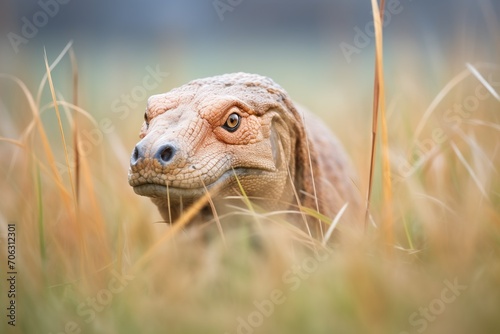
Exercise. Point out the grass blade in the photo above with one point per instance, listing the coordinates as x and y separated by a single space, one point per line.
52 66
76 139
334 223
214 212
41 228
43 136
56 107
437 100
469 170
183 220
379 105
483 81
311 170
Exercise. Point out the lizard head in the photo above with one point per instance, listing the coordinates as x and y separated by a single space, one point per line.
214 132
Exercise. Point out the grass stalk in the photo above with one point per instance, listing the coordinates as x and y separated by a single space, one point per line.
76 139
41 227
379 106
61 130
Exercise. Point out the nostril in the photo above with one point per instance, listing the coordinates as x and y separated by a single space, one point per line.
135 155
166 153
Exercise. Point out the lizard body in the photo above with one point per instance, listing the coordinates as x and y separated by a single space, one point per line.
213 132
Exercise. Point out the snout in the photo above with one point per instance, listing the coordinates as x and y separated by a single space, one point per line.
153 166
165 155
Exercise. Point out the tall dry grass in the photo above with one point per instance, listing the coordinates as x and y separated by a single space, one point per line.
92 257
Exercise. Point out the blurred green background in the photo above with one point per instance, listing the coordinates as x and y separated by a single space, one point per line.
320 51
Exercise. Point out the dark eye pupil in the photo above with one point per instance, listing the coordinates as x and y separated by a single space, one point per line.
232 123
233 120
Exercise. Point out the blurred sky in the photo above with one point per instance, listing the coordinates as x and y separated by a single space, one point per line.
296 42
194 24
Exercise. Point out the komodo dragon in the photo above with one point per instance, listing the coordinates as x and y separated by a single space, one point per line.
212 132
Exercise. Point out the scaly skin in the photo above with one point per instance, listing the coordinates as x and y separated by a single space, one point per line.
187 147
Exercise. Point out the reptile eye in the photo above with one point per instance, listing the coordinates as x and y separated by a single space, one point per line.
232 122
146 120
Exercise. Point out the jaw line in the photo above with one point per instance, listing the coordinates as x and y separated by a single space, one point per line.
156 190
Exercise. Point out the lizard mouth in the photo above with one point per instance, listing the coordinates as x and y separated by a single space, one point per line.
161 190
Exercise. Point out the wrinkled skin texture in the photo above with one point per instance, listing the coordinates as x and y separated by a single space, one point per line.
277 151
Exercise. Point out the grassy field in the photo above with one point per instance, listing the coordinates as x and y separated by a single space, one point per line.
92 257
